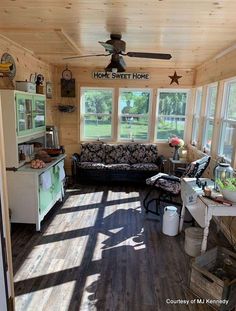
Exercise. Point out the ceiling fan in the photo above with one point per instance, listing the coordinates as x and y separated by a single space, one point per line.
116 48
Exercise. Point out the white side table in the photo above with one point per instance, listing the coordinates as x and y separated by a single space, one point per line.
202 209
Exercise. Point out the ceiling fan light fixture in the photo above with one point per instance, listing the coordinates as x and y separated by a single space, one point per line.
115 66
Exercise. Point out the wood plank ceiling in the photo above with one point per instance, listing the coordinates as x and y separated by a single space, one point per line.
192 31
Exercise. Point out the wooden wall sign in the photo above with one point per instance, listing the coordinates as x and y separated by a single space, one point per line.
68 88
102 75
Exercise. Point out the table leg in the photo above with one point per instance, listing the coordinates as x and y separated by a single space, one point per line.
205 236
181 222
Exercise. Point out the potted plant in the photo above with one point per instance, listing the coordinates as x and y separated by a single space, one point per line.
228 188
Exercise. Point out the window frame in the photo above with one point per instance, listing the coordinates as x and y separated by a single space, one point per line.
82 113
170 90
196 116
207 117
224 121
119 138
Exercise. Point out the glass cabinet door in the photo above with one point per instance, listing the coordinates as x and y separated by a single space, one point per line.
24 114
39 112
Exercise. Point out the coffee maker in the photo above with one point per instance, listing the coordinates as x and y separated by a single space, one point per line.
52 140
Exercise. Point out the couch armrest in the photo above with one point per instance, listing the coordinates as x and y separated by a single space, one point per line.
76 157
74 160
160 162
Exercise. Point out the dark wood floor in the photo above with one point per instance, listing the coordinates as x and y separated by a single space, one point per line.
100 251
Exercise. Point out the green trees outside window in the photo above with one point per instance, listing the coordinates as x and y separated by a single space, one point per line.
132 119
97 106
171 114
134 108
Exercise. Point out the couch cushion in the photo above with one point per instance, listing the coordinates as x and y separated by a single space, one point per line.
92 152
115 154
119 166
144 167
91 165
142 153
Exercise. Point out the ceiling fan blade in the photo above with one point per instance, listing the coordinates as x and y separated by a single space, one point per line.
108 47
149 55
89 55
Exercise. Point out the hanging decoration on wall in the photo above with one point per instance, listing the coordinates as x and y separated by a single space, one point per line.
67 84
7 66
39 83
49 90
175 78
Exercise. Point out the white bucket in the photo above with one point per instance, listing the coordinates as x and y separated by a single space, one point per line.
193 241
170 224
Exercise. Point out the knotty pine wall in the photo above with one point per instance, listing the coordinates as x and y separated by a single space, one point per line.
217 69
26 64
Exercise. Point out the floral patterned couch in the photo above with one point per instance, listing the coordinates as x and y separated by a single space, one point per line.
116 162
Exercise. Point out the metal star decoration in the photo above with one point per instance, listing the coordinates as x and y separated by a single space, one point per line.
175 78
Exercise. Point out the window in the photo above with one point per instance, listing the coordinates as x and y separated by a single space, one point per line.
134 114
96 113
171 113
196 116
228 123
209 116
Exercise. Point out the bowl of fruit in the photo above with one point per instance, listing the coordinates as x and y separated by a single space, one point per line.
228 188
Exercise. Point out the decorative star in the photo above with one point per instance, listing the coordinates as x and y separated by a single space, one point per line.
175 78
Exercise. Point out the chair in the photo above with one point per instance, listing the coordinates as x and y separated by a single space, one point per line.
169 186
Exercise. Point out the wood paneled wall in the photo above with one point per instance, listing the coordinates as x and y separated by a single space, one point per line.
217 69
27 64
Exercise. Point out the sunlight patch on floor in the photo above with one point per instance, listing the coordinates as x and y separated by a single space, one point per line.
53 297
63 223
116 230
79 199
113 195
52 258
127 242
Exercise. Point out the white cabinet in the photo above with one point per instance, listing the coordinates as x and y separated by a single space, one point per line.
29 199
23 121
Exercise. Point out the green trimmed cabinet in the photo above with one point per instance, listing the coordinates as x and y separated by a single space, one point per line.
23 121
29 200
30 113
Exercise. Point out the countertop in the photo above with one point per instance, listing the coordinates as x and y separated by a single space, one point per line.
27 169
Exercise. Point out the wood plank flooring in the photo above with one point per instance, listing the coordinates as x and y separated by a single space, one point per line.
100 251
